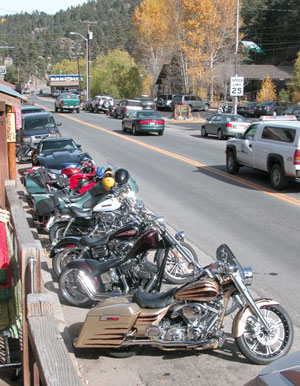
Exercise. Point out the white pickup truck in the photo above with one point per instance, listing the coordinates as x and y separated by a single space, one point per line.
272 146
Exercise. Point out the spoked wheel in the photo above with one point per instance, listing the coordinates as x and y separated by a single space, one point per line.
71 289
178 270
263 347
57 231
24 155
61 259
123 352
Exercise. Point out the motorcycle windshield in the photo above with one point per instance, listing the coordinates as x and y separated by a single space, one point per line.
133 185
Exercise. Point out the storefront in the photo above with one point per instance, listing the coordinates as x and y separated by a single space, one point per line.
10 121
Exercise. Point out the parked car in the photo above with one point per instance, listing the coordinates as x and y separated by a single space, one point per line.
271 145
36 126
224 125
55 93
247 108
147 103
67 101
26 90
86 104
195 102
164 101
269 108
127 106
293 110
29 109
144 121
101 103
53 152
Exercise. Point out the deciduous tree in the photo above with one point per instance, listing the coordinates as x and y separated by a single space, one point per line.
267 91
294 88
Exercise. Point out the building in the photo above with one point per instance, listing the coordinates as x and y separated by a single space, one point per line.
63 82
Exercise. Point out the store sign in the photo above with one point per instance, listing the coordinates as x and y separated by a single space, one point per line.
10 127
236 86
18 112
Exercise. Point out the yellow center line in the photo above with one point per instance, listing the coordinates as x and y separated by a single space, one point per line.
198 164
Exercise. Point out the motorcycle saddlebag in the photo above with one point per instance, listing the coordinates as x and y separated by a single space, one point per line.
46 207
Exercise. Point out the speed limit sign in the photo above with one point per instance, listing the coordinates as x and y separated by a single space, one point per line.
236 86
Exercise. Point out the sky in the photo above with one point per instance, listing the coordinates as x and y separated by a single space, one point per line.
49 6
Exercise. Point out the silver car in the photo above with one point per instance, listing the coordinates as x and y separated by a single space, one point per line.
224 125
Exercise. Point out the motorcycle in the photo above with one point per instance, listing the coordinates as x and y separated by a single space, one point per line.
24 152
225 108
191 317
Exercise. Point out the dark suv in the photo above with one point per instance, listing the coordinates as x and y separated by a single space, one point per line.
36 126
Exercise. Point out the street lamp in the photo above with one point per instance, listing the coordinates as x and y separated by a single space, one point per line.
87 61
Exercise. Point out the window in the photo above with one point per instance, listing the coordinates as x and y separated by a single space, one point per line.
187 98
193 98
279 134
250 132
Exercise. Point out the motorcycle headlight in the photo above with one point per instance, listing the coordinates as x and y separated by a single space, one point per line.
247 275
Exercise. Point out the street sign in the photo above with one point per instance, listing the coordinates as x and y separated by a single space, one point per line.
2 70
236 86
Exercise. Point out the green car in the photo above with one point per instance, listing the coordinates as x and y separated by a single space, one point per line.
67 102
144 121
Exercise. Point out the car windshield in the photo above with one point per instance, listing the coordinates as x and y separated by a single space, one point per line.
50 146
37 123
234 118
69 96
147 114
134 103
267 103
248 104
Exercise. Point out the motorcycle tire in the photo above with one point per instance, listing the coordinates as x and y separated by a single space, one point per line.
61 259
254 343
174 271
123 352
24 155
71 290
57 230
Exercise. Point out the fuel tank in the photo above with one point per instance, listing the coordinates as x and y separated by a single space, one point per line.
199 290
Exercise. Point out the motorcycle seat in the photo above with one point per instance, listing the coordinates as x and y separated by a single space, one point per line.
88 241
80 213
160 300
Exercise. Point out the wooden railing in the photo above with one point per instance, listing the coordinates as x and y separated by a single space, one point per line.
45 357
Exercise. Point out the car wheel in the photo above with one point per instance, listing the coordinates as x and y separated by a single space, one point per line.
134 132
123 128
206 107
61 109
220 134
90 110
161 132
203 132
278 180
191 108
55 109
78 111
232 165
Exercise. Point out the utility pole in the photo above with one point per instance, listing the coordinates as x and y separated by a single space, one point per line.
89 37
236 49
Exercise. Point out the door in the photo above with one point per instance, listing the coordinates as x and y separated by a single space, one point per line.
247 146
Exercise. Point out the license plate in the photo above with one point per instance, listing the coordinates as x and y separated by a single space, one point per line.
152 123
71 106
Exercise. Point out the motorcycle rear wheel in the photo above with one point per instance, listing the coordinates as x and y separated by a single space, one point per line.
261 348
178 270
61 259
71 290
57 230
24 155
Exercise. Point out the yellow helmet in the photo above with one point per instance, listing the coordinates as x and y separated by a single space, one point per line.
108 181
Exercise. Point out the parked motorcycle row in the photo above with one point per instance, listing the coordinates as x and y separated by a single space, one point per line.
110 254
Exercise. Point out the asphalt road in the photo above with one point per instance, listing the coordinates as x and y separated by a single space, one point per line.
183 177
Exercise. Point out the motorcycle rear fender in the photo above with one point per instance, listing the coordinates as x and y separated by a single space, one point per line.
239 323
70 241
94 267
108 324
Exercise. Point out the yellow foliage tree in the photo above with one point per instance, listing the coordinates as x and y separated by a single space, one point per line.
267 91
152 22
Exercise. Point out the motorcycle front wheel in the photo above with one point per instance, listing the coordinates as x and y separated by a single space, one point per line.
61 259
71 289
24 155
178 270
262 347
